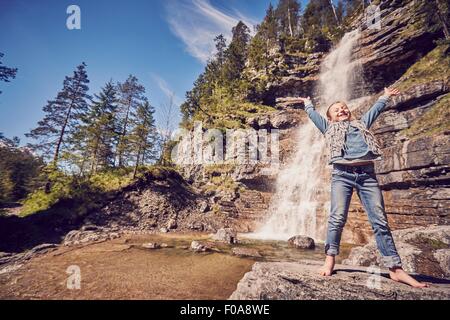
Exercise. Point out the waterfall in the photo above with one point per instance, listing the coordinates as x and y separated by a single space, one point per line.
294 204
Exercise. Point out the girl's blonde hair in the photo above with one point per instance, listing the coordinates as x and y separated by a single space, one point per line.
336 102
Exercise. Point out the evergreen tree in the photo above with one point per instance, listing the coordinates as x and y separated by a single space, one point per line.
438 13
288 15
266 37
193 98
221 45
236 53
319 23
143 137
214 70
18 170
6 73
6 142
99 129
62 116
131 95
340 11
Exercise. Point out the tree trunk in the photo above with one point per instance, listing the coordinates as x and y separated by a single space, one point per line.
94 159
289 21
60 139
124 132
334 11
137 163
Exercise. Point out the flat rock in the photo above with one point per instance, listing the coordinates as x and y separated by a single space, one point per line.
301 281
151 245
246 252
198 246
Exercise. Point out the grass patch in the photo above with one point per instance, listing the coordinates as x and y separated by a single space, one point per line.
429 243
222 182
433 66
219 168
224 112
83 194
434 121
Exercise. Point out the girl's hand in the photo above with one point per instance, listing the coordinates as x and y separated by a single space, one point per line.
301 99
391 92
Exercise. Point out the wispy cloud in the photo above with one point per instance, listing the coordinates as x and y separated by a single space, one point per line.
165 88
198 22
167 114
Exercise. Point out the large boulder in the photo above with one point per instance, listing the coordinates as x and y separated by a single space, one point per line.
226 235
302 242
301 281
424 250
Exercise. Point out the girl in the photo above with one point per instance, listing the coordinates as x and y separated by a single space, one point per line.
353 149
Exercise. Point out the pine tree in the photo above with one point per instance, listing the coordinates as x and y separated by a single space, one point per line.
319 23
62 116
236 53
6 73
265 38
6 142
340 11
214 71
202 89
99 129
438 13
143 137
131 95
18 170
288 15
221 45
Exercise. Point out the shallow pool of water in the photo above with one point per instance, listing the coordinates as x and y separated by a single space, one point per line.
270 250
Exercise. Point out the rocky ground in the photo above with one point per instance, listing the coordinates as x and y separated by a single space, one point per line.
301 281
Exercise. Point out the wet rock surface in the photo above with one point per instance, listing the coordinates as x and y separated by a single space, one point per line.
246 252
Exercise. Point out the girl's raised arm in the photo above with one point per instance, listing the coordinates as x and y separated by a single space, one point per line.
370 116
320 122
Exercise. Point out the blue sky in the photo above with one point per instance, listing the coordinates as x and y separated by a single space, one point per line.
163 42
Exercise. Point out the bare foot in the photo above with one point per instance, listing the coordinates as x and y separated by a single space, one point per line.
399 275
327 268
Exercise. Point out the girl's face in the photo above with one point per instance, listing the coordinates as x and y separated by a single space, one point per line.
339 112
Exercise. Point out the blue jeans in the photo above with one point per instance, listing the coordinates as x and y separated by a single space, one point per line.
361 178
